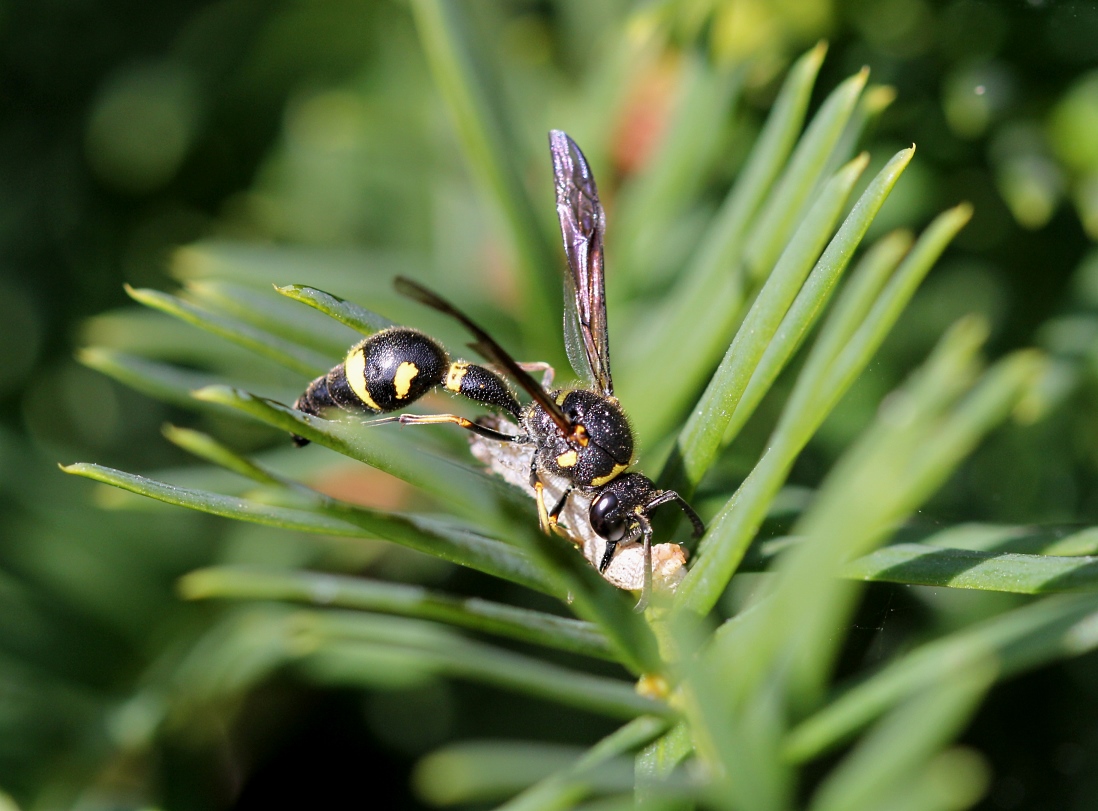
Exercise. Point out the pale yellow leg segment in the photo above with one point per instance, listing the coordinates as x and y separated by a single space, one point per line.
449 419
434 419
559 530
543 512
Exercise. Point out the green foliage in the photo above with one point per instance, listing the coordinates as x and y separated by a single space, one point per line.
737 692
755 276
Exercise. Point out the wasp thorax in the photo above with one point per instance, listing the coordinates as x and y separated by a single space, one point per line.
606 447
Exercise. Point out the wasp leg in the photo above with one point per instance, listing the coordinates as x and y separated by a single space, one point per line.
666 496
451 419
539 496
548 372
646 592
547 519
643 527
543 513
554 514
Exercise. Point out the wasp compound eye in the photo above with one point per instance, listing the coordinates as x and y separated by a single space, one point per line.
604 519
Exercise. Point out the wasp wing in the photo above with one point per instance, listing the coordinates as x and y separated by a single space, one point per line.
582 224
489 349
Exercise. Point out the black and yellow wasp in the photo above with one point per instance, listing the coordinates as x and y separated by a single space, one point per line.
579 436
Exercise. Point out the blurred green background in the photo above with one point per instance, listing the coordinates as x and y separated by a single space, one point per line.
315 128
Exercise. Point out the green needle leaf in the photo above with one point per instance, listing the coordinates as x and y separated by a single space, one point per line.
465 772
476 106
701 438
862 321
876 266
670 180
290 355
339 591
1031 540
920 564
422 534
354 272
160 380
481 772
1004 555
785 206
843 349
706 301
874 101
903 742
1018 640
345 312
271 314
206 447
337 636
916 442
469 492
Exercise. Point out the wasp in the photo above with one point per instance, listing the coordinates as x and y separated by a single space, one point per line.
574 446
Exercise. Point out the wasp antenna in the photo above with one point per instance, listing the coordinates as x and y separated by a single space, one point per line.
665 496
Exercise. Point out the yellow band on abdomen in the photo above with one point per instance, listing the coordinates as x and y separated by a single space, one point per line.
355 369
455 375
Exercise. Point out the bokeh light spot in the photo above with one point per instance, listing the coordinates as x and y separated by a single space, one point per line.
329 121
901 28
1086 203
1073 126
142 126
1030 182
972 97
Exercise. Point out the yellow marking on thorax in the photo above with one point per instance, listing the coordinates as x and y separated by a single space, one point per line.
456 375
601 480
402 380
568 459
355 369
578 432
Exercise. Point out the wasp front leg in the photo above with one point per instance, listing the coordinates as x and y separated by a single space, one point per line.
646 592
547 518
554 514
539 495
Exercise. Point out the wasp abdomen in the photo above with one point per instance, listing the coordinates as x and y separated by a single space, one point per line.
481 386
392 369
389 370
